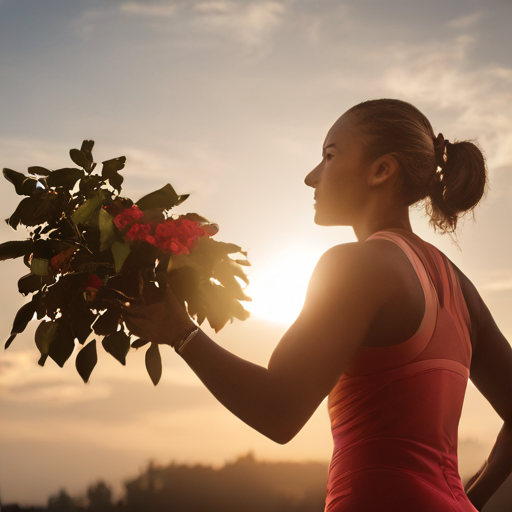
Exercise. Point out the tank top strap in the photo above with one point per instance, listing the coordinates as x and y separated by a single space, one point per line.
368 360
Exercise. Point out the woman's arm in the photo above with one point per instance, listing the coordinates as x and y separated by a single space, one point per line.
491 372
345 293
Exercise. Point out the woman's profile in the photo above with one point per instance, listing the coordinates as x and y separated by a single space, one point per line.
390 329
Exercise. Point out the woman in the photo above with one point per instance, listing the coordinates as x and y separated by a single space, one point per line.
390 329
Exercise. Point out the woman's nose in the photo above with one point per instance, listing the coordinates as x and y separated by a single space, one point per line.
311 179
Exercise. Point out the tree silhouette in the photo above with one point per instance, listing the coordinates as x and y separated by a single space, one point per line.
99 496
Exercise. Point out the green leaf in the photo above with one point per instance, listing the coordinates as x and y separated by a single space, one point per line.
83 213
107 322
139 343
154 363
39 266
117 345
16 178
65 178
39 171
79 158
120 251
107 229
165 198
9 341
15 249
45 335
25 315
86 360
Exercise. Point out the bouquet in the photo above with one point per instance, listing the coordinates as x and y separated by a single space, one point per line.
89 248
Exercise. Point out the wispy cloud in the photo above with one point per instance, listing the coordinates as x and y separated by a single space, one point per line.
465 21
440 75
246 23
149 10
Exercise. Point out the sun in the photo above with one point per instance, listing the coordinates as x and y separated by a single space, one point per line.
278 288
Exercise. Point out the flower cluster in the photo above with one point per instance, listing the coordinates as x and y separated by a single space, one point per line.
175 236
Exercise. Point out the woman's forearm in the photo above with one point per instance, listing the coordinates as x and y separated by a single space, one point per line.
248 390
496 469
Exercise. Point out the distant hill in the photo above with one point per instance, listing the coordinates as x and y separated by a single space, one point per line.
246 484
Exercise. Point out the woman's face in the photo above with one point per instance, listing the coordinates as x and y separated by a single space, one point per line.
340 179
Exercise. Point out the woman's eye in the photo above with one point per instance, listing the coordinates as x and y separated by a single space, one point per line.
329 156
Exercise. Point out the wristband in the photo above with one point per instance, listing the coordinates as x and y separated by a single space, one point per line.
182 343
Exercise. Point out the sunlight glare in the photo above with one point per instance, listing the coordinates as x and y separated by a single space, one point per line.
278 289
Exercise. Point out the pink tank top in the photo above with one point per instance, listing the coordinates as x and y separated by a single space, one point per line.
395 410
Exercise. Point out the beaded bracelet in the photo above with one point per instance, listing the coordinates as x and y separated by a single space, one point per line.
182 343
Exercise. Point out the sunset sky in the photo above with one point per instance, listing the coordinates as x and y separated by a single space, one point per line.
229 101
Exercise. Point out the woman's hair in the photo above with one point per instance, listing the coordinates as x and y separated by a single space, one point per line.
450 177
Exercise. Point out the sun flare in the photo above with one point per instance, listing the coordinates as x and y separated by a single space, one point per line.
279 287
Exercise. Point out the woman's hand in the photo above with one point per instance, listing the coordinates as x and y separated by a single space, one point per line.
159 318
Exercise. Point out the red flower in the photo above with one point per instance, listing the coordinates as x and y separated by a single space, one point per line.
139 232
178 236
128 217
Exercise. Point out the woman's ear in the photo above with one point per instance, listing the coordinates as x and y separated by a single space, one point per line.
384 169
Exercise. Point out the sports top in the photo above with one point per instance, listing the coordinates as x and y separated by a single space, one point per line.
395 410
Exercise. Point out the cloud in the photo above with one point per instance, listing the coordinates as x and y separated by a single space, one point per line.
442 76
247 23
149 10
465 21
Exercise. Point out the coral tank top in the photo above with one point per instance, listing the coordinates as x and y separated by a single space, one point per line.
395 410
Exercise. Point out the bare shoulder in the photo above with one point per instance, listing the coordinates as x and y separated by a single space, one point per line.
365 268
473 301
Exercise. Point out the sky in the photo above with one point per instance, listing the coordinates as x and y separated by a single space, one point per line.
230 101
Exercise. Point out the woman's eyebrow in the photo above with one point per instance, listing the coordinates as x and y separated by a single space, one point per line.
327 147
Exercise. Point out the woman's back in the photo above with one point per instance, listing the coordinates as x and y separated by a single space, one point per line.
396 409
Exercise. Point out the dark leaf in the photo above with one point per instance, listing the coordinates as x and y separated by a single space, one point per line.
34 210
29 283
63 342
116 181
79 158
65 178
63 293
39 171
154 363
117 345
86 149
139 343
42 360
9 341
226 272
165 198
25 314
15 249
90 183
81 319
86 360
16 178
112 166
31 186
107 322
228 303
45 335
